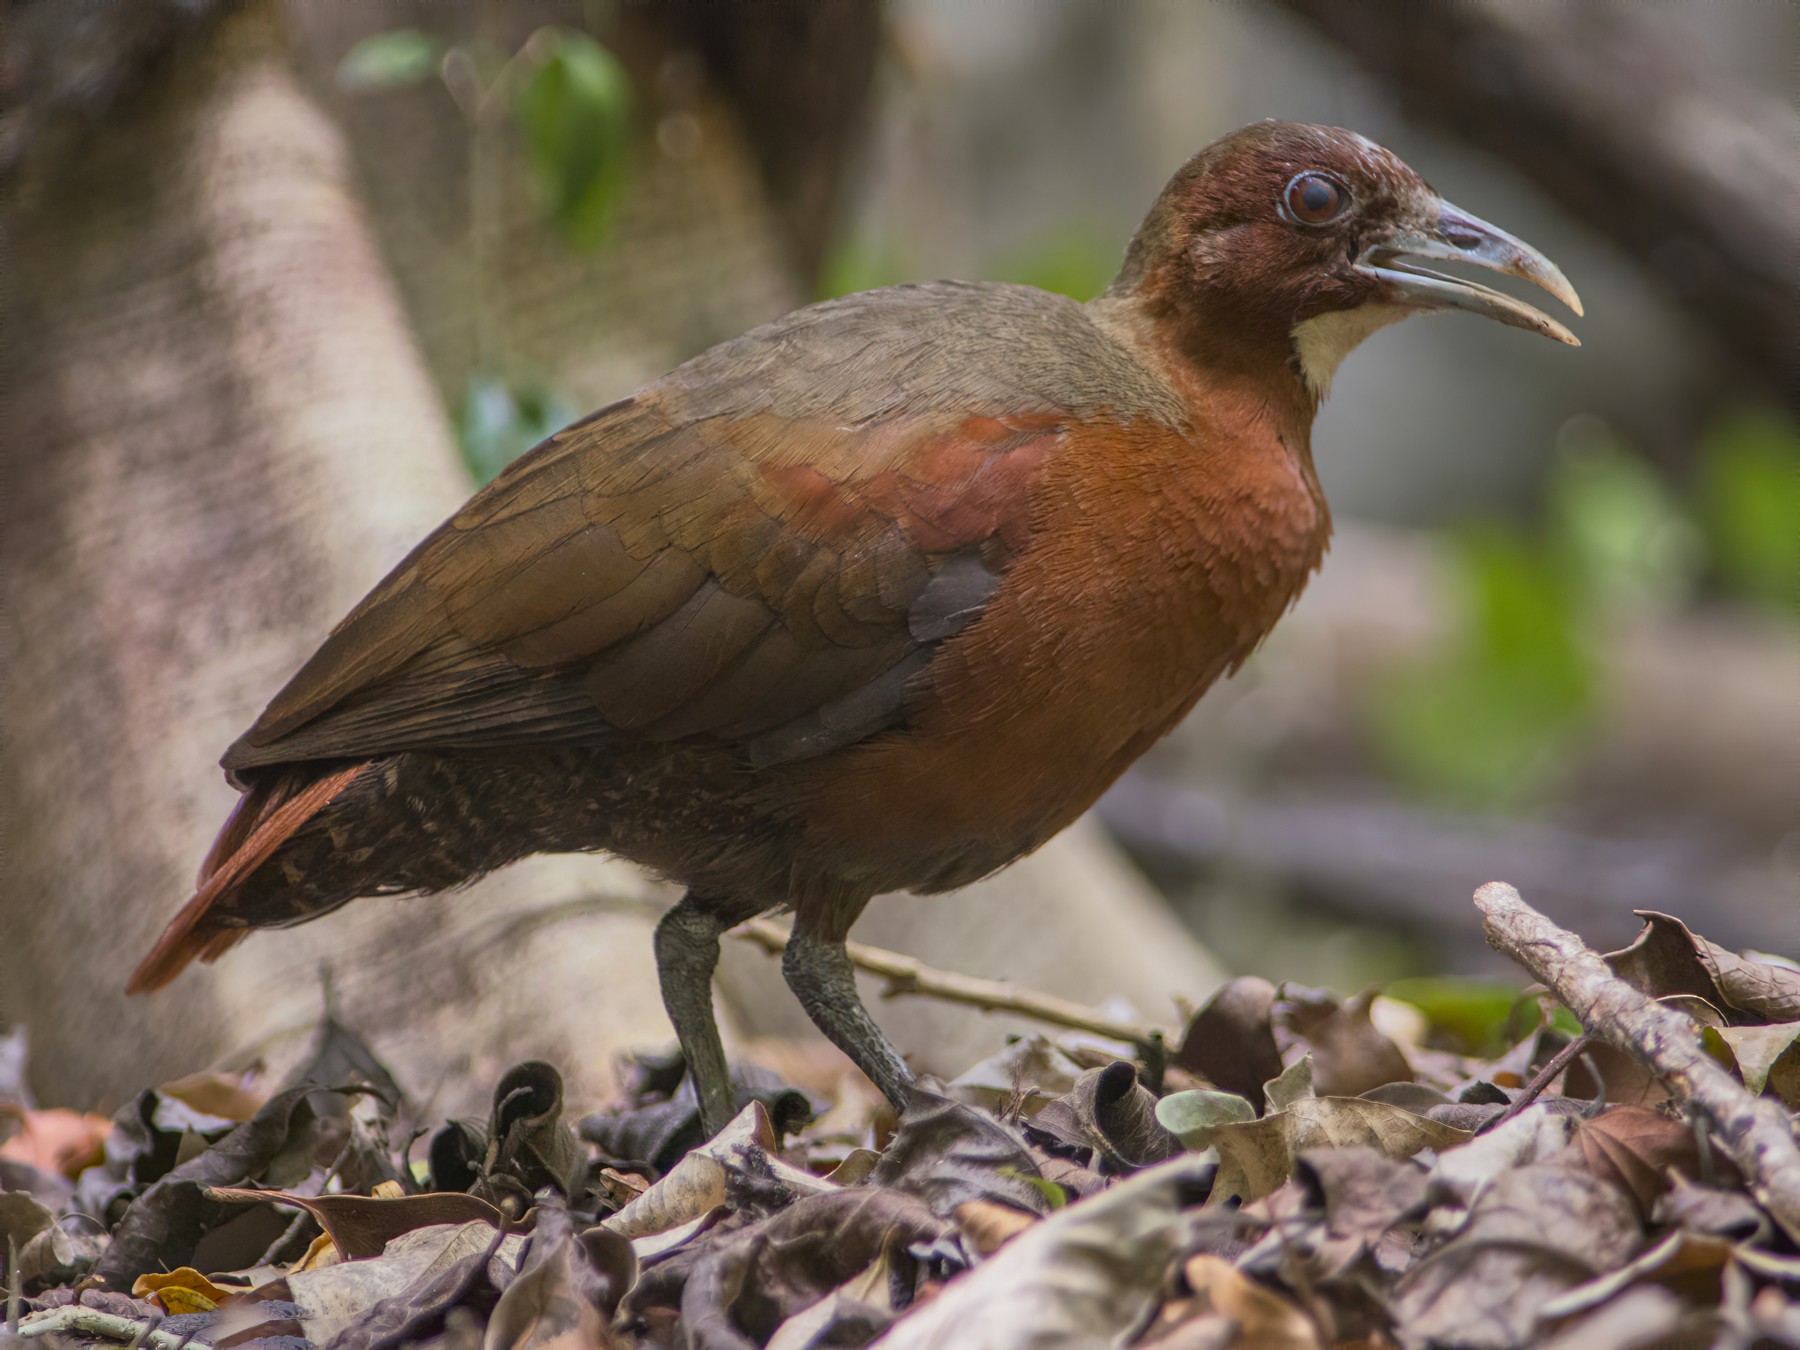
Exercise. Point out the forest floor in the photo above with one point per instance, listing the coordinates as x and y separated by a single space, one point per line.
1603 1159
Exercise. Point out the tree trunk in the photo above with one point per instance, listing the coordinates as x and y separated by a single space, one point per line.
219 436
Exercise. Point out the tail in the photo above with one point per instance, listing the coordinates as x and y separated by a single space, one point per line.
265 817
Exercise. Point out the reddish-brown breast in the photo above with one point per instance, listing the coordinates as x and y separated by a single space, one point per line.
1158 557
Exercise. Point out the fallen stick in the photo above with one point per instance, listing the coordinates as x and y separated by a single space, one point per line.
1755 1131
907 975
93 1322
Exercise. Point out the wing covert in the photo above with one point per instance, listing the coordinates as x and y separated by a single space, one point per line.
772 582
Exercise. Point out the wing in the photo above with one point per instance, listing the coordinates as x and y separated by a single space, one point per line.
708 558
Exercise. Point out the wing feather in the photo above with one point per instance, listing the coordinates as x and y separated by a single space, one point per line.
752 566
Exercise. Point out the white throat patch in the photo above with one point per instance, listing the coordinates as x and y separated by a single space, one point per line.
1324 341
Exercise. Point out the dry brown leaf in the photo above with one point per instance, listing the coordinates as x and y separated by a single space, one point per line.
1533 1233
1231 1041
22 1217
1257 1157
1768 1059
621 1188
988 1225
1760 987
225 1095
1668 957
320 1252
361 1225
1664 959
1088 1275
559 1301
1264 1318
1686 1263
1635 1147
696 1184
180 1291
1350 1056
416 1271
855 1167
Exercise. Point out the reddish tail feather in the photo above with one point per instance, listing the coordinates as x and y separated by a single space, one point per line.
264 818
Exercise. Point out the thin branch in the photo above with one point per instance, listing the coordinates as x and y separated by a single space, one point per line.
907 975
1558 1065
1755 1131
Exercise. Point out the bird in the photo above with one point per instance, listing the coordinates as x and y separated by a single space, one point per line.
877 597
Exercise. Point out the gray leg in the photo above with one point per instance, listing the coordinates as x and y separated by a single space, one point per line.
819 972
687 950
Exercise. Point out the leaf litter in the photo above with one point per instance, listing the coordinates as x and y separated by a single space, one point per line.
1304 1171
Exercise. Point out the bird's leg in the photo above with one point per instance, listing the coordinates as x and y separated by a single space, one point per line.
818 970
687 951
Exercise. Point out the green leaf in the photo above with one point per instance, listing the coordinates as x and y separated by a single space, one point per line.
575 112
1191 1116
498 423
1750 502
390 60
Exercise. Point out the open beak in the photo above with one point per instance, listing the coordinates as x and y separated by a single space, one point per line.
1460 237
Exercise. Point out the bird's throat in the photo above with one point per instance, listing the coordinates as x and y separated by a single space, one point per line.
1322 342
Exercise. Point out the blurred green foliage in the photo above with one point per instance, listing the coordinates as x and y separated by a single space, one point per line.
1072 259
569 97
1480 724
499 422
860 262
1622 539
1749 493
390 61
1486 721
1471 1016
575 113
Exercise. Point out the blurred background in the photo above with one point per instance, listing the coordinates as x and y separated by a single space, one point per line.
1555 641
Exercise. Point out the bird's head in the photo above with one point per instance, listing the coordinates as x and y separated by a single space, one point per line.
1298 239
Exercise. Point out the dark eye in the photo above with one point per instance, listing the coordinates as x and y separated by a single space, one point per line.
1313 199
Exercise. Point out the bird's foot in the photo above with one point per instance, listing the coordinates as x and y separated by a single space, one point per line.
818 970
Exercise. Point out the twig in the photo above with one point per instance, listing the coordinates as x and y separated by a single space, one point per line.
1545 1076
93 1322
907 975
1755 1131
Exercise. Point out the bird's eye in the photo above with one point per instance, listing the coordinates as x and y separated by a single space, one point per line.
1314 199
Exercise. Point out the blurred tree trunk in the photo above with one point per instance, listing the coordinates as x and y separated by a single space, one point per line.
221 433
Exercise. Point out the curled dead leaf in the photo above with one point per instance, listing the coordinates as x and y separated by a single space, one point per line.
180 1291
